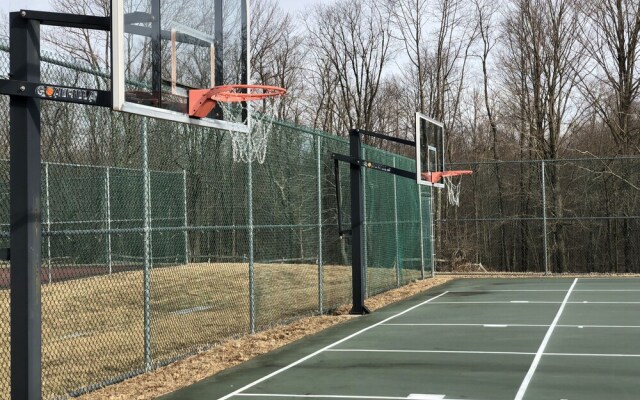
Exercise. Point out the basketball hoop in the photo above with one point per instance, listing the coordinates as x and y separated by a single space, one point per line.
233 100
452 182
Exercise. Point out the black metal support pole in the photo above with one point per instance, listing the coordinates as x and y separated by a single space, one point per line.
156 52
218 21
25 213
357 226
244 63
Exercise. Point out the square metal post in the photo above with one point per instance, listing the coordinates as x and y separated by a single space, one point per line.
357 225
218 79
156 52
25 213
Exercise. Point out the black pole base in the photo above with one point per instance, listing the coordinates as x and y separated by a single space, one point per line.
363 310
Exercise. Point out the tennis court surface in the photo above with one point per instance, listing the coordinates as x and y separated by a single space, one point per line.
558 338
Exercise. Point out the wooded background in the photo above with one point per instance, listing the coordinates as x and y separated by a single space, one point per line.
516 80
523 87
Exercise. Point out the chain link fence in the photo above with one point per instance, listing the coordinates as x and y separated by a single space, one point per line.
556 216
156 245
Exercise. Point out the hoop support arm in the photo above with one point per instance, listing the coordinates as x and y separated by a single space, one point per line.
200 102
43 91
385 137
376 166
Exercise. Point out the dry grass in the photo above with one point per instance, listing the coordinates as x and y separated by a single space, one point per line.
93 328
232 352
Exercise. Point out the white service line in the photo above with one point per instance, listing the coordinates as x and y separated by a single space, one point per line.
535 302
543 345
604 302
592 355
506 290
542 290
498 353
293 364
508 353
335 396
483 325
498 302
526 325
607 290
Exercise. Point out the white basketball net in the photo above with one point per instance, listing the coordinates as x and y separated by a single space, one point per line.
453 189
251 146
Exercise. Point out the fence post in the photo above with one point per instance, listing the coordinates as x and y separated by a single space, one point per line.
320 261
421 231
544 218
186 221
432 239
395 222
365 237
147 245
252 302
47 206
107 196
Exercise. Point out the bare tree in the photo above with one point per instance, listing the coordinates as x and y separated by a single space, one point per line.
541 58
485 13
277 54
611 39
354 38
410 19
90 46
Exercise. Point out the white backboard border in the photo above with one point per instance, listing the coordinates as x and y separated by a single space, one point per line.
420 116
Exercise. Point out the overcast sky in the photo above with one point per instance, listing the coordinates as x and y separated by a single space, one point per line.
44 4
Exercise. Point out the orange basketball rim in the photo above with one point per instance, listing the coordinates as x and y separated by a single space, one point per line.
203 101
435 177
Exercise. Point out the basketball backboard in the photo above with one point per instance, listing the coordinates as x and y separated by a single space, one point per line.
164 48
429 149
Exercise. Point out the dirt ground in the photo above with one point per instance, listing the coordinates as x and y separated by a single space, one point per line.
230 353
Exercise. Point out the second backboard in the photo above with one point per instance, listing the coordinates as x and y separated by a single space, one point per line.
429 149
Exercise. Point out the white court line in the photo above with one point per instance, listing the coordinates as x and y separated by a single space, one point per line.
334 396
604 302
607 290
508 353
484 325
303 359
543 345
506 290
535 302
497 302
592 355
542 290
524 325
496 353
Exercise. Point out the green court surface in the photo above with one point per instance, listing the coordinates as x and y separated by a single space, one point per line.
489 339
